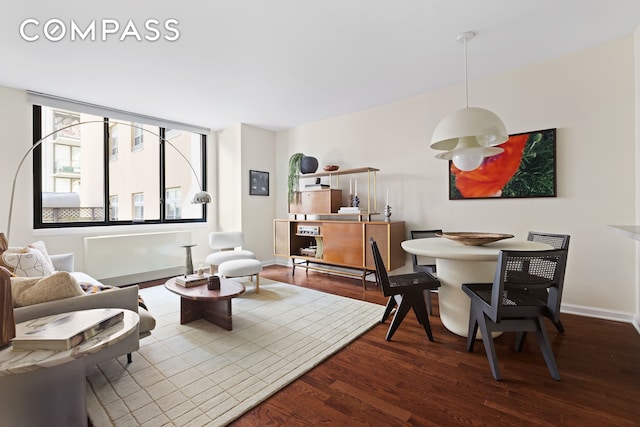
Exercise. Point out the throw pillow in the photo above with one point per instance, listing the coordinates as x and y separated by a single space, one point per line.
36 290
4 248
7 251
39 245
31 263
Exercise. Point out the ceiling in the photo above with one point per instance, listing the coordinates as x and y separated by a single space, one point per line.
281 63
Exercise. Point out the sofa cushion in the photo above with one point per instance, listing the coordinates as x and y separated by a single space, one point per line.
86 281
36 290
63 262
30 263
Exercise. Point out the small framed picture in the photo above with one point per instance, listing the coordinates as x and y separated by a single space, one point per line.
258 183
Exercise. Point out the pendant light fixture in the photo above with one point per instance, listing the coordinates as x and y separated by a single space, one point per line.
470 134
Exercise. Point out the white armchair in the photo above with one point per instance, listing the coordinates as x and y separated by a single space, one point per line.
228 245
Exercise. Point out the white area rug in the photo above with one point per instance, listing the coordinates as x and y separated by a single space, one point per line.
199 374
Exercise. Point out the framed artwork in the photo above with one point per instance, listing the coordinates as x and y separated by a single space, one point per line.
258 183
526 168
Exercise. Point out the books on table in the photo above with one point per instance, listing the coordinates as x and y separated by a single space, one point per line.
63 331
192 280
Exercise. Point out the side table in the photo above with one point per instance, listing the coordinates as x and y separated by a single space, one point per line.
40 387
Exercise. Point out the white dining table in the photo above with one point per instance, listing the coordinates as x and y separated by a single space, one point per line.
457 264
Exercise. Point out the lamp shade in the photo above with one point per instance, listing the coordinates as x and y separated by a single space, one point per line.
472 122
201 198
468 154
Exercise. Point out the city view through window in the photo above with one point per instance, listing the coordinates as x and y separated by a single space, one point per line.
142 184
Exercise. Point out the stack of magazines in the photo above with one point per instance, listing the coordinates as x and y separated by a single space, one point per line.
190 280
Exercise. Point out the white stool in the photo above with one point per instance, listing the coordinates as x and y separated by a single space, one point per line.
241 268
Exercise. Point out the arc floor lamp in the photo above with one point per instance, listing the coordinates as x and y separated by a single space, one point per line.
201 197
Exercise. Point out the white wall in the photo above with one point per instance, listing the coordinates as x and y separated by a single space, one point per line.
588 96
242 148
230 179
258 212
637 174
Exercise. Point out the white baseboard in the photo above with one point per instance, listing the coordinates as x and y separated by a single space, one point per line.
598 313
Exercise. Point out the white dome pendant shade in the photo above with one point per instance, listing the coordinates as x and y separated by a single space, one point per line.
467 154
471 133
487 128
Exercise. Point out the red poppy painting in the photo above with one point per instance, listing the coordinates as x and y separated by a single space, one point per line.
526 168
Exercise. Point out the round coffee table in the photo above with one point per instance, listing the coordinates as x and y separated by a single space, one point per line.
198 302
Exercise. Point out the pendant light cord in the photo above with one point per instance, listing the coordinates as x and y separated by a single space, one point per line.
464 38
466 77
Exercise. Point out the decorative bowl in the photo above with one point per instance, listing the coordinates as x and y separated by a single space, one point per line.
475 239
330 168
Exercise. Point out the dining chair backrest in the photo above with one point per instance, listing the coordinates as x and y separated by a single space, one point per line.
423 234
558 241
381 270
519 270
554 296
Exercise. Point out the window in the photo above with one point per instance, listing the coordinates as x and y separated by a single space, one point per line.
138 207
113 208
138 137
113 142
173 201
77 186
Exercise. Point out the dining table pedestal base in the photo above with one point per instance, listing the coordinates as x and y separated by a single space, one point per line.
453 303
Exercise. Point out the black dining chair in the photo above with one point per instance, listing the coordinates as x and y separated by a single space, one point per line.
404 290
429 268
553 296
506 305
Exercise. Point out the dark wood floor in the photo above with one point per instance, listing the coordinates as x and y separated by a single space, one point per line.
411 381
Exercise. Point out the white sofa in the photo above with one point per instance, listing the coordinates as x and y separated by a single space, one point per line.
122 297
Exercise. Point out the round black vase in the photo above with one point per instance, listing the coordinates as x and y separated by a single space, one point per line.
308 164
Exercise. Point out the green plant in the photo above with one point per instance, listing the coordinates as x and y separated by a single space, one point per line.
294 175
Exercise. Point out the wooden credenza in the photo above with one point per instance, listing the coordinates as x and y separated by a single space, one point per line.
320 244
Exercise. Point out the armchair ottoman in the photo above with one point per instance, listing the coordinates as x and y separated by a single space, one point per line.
241 268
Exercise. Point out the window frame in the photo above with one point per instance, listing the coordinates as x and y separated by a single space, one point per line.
137 137
137 203
114 143
170 203
38 175
114 206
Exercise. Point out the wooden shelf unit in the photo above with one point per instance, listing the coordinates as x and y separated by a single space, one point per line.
344 244
323 201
